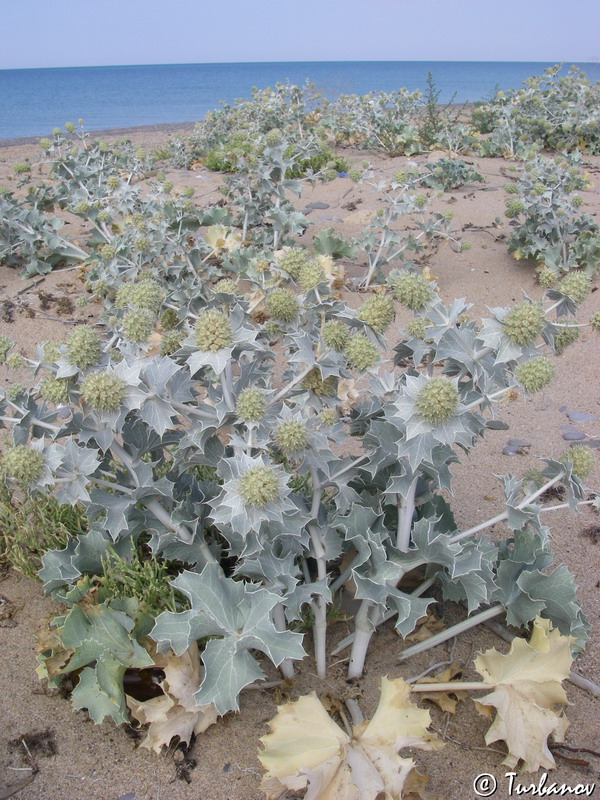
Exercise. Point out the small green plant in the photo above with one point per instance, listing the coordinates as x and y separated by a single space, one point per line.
449 173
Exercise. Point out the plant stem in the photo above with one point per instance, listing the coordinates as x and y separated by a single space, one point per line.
405 517
289 386
452 686
319 605
364 629
286 666
453 631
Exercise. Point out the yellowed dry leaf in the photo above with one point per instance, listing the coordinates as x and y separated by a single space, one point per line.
174 713
347 395
443 699
154 341
527 691
306 749
425 630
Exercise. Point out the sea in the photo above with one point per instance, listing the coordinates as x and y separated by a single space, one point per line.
33 101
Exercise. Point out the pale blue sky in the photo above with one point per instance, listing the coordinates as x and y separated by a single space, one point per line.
43 33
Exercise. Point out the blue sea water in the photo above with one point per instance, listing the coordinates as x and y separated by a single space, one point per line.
33 101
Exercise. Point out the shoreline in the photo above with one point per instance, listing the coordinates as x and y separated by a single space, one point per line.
157 127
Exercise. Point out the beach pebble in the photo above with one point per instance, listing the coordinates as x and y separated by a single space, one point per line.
497 425
318 204
581 416
510 450
562 409
518 443
593 443
573 436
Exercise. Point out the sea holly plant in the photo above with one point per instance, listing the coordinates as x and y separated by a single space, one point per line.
548 226
191 445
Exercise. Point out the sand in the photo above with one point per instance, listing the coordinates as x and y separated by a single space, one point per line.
77 760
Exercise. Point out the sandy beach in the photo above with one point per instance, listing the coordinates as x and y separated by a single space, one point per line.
73 759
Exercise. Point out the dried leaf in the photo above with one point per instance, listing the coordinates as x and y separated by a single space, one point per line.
425 630
527 689
347 395
445 700
175 713
306 749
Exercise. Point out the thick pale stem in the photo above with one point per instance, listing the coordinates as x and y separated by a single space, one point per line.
227 391
364 630
453 631
319 606
452 686
405 518
286 666
292 384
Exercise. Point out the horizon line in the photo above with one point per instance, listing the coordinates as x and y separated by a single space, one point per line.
560 62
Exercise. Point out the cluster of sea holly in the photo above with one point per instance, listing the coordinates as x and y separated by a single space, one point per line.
208 453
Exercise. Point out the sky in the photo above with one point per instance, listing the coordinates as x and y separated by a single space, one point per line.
64 33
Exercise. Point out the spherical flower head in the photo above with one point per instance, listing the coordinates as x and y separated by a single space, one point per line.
273 137
169 319
5 345
15 361
272 328
524 323
416 328
291 435
260 264
259 486
55 390
69 127
547 277
23 464
378 312
437 401
142 244
108 252
582 458
335 334
594 322
138 324
113 182
412 290
361 353
45 144
564 338
171 342
103 391
213 331
293 260
250 405
142 294
282 305
81 208
328 417
84 348
226 286
51 352
533 375
576 285
310 275
314 382
355 175
14 390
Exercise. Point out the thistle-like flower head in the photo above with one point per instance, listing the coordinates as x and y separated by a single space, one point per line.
259 486
547 277
595 321
378 312
291 435
23 464
103 391
145 293
250 405
328 417
226 286
169 319
582 458
437 401
171 341
138 324
361 353
412 290
576 285
417 328
564 337
524 323
293 260
534 374
323 387
15 361
84 348
310 275
54 389
335 334
212 330
282 305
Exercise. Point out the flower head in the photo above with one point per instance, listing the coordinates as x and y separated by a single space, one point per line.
54 389
361 353
534 374
437 401
412 290
84 348
564 337
335 334
212 330
378 312
326 387
103 391
138 324
259 486
576 285
524 323
582 460
282 305
141 294
291 435
23 464
250 405
293 260
310 275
